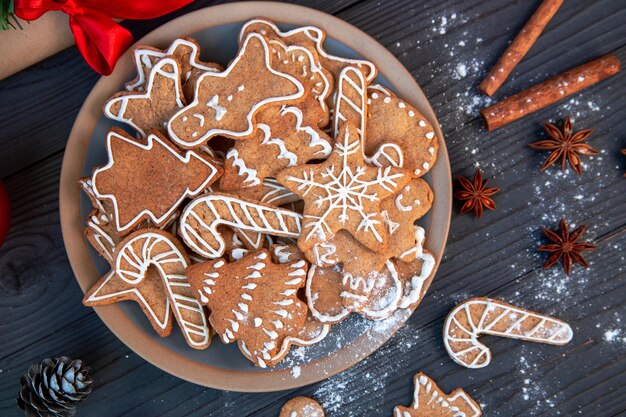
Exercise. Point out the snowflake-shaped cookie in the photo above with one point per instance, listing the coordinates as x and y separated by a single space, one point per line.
344 193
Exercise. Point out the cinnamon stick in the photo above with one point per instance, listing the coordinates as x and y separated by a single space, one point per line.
520 45
550 91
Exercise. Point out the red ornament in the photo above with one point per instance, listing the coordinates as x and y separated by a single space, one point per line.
5 213
98 37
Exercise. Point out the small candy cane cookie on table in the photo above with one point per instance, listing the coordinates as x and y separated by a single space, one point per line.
302 407
253 301
477 316
430 401
138 180
226 103
150 110
150 268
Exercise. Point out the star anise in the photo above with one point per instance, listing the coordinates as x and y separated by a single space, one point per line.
565 245
564 144
475 194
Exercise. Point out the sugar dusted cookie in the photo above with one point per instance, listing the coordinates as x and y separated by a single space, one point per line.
430 401
226 103
410 131
343 193
481 315
151 109
138 180
253 301
302 407
333 294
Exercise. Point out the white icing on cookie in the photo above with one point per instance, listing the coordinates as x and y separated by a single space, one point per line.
123 100
151 140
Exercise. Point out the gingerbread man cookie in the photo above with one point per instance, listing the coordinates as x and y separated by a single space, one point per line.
138 179
343 193
151 109
226 103
430 401
253 301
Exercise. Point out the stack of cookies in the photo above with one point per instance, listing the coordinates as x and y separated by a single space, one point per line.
262 202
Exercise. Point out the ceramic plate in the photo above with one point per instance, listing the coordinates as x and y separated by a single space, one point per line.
223 366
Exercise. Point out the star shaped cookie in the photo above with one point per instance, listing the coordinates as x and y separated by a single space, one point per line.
138 179
344 193
184 50
151 109
226 103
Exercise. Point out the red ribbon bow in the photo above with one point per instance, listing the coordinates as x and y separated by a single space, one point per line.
98 37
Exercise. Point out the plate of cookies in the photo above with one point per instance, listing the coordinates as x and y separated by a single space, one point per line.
255 203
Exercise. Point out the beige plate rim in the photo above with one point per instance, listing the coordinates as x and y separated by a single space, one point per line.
72 224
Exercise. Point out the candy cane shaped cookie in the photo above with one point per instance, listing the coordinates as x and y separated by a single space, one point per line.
477 316
145 249
199 221
351 106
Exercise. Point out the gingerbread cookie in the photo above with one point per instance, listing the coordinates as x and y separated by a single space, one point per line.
398 212
410 133
302 407
183 50
308 36
158 290
280 141
226 103
138 179
430 401
270 192
477 316
343 193
253 301
201 217
333 294
151 109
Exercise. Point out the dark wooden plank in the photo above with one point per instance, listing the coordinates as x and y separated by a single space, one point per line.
495 256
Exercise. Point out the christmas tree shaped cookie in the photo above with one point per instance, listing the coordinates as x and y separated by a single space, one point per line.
138 178
253 301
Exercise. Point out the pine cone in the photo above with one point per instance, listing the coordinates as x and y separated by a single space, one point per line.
54 387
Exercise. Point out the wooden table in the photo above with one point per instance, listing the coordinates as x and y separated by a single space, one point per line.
448 46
